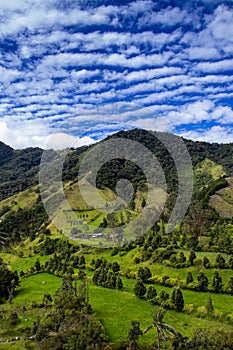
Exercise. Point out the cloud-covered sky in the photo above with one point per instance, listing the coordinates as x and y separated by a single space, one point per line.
88 68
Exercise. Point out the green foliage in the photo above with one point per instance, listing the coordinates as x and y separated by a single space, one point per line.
192 257
177 299
211 340
106 274
18 169
216 282
50 246
189 278
144 274
8 281
220 261
134 333
202 281
209 306
151 293
206 262
24 223
71 322
140 289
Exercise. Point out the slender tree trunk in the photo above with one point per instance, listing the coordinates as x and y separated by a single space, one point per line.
158 336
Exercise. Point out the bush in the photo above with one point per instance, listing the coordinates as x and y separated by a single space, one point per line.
229 318
189 308
218 314
202 311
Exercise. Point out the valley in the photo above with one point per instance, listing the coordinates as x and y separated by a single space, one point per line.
66 278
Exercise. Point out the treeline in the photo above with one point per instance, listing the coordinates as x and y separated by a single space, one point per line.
106 274
24 223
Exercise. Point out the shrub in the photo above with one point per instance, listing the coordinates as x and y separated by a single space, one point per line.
189 308
202 311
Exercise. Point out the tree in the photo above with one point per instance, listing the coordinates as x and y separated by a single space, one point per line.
82 262
156 241
111 279
220 261
192 257
144 274
202 281
163 296
177 299
37 265
8 281
230 285
209 306
216 282
206 262
196 222
189 278
230 262
140 289
115 267
119 283
151 293
141 274
182 257
163 330
134 333
47 298
147 274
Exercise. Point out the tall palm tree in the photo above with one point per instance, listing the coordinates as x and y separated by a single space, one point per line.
163 330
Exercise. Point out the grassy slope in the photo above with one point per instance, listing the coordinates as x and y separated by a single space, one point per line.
117 309
207 166
222 200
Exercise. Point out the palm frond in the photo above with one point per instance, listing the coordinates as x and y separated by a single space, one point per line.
147 329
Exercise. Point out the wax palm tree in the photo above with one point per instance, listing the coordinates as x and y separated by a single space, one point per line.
163 330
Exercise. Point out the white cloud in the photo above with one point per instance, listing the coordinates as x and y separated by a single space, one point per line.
223 114
158 124
203 53
220 66
169 17
33 133
62 141
36 134
148 74
175 63
216 134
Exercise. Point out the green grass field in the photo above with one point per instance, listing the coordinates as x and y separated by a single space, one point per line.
116 309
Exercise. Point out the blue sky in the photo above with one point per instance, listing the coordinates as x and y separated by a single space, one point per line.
89 68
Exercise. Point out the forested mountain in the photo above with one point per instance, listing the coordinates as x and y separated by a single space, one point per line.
19 168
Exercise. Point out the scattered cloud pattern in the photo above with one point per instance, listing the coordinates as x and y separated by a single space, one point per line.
88 68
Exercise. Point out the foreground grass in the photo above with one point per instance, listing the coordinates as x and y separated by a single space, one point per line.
115 309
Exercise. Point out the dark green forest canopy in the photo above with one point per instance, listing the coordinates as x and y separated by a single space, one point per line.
19 168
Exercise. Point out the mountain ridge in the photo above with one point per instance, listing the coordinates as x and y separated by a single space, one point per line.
19 168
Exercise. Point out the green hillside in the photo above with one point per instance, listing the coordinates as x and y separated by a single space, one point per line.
60 288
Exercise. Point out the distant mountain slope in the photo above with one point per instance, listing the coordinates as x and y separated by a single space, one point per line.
19 168
222 200
6 153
